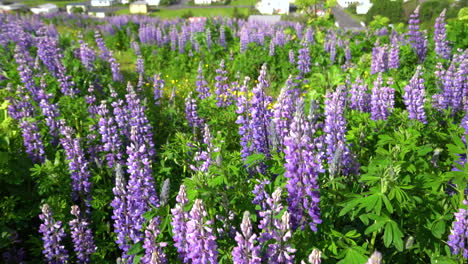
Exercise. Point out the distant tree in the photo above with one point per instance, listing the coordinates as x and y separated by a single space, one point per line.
391 9
308 6
77 10
430 10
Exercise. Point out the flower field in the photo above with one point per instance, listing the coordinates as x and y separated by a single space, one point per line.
138 140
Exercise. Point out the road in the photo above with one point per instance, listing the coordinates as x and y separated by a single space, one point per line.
344 20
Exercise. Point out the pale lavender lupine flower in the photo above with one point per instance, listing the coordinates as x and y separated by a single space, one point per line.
243 118
442 47
223 96
202 247
247 251
191 112
415 96
179 224
375 258
360 99
382 100
154 253
281 252
203 89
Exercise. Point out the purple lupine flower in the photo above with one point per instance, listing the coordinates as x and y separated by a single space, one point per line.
302 168
203 89
65 81
201 240
246 251
451 89
22 107
25 71
32 140
281 251
379 59
415 96
140 65
303 60
120 214
360 99
348 56
104 52
244 39
208 38
48 50
458 238
309 36
269 221
139 123
91 101
204 157
292 57
110 137
332 53
335 131
52 235
260 115
51 113
243 118
141 193
283 111
82 236
153 250
86 54
179 224
394 54
191 112
158 86
442 47
115 68
271 52
77 164
222 36
261 196
223 96
417 38
382 100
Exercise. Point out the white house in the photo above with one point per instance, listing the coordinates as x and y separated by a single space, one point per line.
83 6
362 6
153 2
4 8
99 12
102 2
273 7
45 9
202 2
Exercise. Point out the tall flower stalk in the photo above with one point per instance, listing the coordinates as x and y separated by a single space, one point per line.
82 236
415 97
52 235
302 168
202 247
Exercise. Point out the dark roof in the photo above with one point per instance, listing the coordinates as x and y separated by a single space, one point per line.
100 10
78 4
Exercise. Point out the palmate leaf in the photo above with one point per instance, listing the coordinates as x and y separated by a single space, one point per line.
353 255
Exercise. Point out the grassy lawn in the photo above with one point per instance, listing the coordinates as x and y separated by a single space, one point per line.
243 2
204 12
59 3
